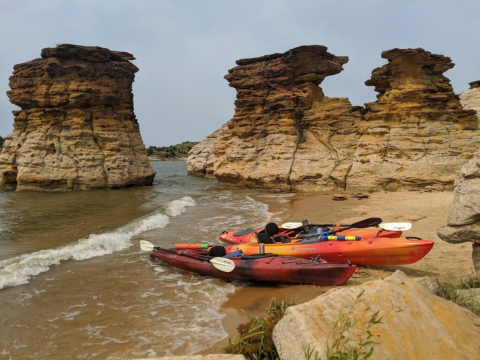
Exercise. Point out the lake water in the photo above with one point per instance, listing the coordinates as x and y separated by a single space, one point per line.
74 283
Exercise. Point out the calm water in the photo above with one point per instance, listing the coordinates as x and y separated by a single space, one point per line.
74 283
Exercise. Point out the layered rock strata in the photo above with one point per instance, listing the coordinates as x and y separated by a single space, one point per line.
416 133
287 135
271 142
76 128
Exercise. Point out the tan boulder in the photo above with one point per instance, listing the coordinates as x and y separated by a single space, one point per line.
77 128
415 323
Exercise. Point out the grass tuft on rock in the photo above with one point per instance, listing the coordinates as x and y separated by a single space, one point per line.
254 338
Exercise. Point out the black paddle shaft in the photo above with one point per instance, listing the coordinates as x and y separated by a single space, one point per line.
361 224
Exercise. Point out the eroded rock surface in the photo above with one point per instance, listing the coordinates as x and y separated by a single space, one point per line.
416 133
463 224
415 323
76 128
470 99
287 135
200 158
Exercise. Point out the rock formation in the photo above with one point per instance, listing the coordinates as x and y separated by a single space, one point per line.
76 128
271 141
200 158
470 99
287 135
416 133
415 323
464 216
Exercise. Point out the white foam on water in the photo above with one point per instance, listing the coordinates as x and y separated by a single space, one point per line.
191 308
18 270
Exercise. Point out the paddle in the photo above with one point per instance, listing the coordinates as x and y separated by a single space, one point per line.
393 226
219 263
399 226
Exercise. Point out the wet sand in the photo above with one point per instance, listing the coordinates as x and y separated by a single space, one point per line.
427 211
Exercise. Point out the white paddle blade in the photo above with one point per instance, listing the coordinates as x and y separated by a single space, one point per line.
291 225
223 264
400 226
146 245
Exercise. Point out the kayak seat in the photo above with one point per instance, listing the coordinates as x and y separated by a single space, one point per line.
234 254
244 232
281 238
271 229
263 238
216 251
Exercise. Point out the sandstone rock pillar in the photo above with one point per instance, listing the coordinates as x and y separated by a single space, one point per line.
416 133
76 128
271 140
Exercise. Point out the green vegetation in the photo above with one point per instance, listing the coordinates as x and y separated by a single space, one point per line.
452 291
347 346
1 142
174 151
254 340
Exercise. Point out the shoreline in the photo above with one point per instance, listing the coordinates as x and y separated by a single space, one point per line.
427 211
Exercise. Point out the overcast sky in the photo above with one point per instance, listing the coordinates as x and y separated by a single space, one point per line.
184 48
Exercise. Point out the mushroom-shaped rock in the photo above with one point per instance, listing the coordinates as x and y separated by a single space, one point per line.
76 128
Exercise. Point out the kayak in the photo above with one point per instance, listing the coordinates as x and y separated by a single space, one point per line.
259 267
378 251
250 235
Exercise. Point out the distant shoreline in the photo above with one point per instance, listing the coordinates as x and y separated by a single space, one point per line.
154 158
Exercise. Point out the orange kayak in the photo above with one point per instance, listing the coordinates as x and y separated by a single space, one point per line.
378 251
250 235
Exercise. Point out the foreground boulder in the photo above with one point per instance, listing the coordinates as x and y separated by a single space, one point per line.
76 128
415 323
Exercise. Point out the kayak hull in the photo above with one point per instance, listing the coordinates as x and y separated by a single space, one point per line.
240 237
364 252
272 269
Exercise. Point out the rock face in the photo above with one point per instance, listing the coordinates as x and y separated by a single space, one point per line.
287 135
464 215
200 158
416 133
76 128
415 323
470 99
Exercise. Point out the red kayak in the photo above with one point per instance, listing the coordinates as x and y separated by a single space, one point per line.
261 267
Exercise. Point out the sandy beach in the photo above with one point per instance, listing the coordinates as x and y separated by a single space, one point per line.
427 211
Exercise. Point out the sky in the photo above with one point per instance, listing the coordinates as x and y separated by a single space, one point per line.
184 48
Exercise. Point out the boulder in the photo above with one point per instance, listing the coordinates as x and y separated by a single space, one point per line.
76 128
415 323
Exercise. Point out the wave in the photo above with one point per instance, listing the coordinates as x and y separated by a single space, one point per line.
19 270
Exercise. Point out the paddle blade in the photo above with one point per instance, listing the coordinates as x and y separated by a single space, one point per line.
291 225
146 245
399 226
223 264
366 223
